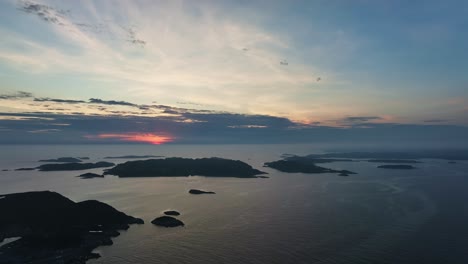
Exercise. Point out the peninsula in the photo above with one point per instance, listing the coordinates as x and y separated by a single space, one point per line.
54 229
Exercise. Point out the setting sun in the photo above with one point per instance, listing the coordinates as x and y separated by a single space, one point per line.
136 137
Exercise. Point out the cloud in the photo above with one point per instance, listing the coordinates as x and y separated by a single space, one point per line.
110 102
215 129
135 137
64 18
193 52
44 131
132 36
17 95
44 12
248 126
46 99
353 119
436 120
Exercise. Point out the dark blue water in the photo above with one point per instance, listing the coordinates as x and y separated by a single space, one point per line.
376 216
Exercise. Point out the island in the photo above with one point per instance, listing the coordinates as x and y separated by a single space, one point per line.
64 159
54 229
90 175
134 157
195 191
184 167
171 213
25 169
393 161
302 166
167 221
313 158
404 155
74 166
397 167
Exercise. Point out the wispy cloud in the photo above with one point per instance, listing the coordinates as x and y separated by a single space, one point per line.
44 131
191 54
45 12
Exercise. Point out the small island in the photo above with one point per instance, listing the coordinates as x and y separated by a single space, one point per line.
401 155
302 166
184 167
397 167
134 157
74 166
195 191
25 169
54 229
167 221
394 161
63 159
174 213
90 175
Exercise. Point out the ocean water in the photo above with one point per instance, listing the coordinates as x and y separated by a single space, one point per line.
376 216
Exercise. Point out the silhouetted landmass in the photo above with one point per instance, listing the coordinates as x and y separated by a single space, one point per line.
134 157
396 167
90 175
428 154
83 158
25 169
195 191
179 167
167 221
318 160
74 166
64 159
171 213
5 170
312 158
394 161
302 165
54 229
263 177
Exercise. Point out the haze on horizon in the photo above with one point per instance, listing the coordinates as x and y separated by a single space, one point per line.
233 71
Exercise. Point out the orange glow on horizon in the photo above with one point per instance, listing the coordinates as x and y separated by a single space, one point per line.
136 137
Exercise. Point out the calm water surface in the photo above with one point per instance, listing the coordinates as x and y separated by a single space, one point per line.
376 216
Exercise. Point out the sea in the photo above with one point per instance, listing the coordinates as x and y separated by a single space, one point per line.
375 216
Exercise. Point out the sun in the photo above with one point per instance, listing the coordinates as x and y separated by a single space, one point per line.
136 137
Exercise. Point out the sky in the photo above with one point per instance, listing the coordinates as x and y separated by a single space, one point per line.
233 71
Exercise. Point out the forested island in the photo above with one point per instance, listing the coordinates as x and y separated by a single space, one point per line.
183 167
